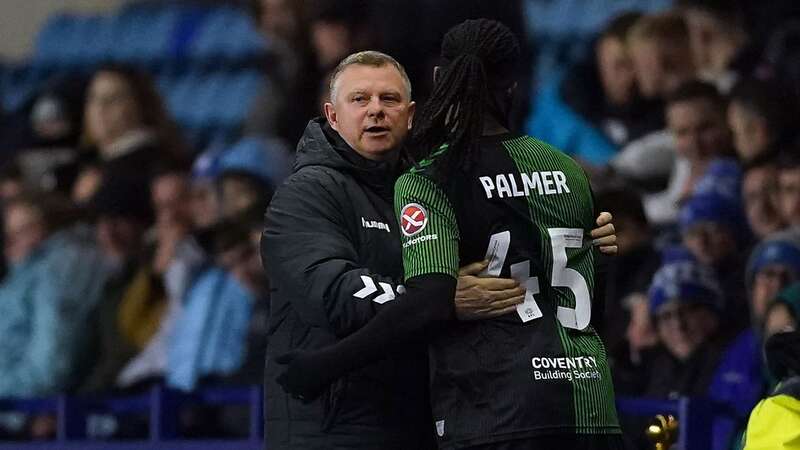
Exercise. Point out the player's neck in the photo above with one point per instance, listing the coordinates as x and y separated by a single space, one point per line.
492 127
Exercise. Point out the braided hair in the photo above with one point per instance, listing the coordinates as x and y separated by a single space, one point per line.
479 58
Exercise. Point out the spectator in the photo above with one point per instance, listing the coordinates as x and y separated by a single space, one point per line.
714 230
133 303
202 345
699 357
127 125
697 135
760 197
175 262
55 279
773 265
775 421
718 38
595 108
662 62
696 118
661 53
236 250
760 114
789 187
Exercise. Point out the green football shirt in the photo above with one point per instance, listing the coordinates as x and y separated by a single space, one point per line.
528 209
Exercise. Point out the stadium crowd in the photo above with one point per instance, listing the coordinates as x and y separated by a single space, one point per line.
132 258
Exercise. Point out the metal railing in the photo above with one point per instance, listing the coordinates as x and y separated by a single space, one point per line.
162 406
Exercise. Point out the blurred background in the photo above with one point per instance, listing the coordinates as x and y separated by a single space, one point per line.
141 141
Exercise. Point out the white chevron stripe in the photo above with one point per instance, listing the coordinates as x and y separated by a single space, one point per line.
388 294
368 289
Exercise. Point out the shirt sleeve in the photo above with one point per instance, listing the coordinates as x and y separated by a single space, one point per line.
428 226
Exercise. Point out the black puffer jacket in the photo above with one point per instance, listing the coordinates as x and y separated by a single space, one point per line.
331 249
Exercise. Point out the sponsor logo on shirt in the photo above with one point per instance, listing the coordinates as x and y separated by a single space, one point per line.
413 219
375 224
427 237
566 368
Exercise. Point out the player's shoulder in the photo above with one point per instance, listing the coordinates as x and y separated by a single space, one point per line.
545 150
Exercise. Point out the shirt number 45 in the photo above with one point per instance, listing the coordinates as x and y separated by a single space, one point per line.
560 239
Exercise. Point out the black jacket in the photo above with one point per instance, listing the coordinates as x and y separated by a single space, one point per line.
331 249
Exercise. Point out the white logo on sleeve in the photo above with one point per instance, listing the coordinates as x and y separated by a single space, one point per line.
413 219
371 288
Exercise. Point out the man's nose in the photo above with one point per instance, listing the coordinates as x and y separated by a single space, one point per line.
375 107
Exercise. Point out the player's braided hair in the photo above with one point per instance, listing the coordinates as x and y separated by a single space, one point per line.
479 57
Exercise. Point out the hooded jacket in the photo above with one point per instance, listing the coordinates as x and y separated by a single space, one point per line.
331 249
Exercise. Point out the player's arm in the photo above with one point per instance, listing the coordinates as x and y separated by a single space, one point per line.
307 247
430 254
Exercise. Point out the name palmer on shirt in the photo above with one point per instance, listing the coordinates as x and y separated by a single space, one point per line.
524 184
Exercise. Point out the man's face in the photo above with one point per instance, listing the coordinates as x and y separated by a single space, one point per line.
699 128
767 283
711 243
789 195
682 328
750 133
170 197
660 68
371 111
616 70
760 194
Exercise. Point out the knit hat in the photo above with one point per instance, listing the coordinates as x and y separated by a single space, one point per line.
682 278
266 159
717 199
781 248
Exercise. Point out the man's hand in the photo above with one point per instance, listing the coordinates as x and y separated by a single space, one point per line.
604 236
483 298
304 378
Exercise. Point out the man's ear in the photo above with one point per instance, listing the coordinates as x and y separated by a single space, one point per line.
412 108
437 72
330 114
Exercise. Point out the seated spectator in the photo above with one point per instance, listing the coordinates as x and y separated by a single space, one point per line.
719 40
775 421
714 230
789 187
595 108
760 196
210 333
127 130
774 264
784 313
696 118
55 279
699 357
661 53
133 302
761 116
175 262
698 134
